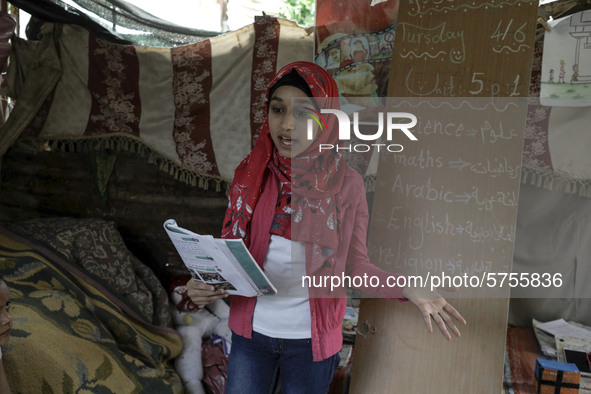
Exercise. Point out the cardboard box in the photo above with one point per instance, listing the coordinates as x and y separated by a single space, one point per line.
556 377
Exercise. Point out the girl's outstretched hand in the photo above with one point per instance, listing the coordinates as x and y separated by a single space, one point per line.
433 306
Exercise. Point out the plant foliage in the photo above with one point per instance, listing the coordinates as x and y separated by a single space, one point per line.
301 11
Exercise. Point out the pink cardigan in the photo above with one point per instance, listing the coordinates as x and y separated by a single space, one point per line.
327 313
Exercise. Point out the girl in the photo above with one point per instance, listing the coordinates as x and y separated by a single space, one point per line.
301 211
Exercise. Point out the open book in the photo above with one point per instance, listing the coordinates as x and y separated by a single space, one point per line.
223 263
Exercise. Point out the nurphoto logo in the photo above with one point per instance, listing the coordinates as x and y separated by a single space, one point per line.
393 122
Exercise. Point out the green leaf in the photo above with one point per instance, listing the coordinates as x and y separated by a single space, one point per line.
104 371
67 384
46 388
16 332
100 389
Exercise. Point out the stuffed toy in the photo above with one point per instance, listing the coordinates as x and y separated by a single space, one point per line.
195 324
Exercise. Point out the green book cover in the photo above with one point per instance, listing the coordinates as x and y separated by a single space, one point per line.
250 266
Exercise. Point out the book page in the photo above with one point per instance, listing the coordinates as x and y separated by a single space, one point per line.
563 328
207 263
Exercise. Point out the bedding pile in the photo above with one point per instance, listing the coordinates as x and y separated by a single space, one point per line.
71 331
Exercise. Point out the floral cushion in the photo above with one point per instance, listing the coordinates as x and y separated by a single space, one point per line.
96 246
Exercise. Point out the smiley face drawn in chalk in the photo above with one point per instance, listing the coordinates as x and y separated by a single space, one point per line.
421 87
457 55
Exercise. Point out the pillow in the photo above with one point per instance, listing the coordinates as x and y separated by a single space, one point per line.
97 246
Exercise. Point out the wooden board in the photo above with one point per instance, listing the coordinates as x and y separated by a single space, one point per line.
402 357
447 204
463 48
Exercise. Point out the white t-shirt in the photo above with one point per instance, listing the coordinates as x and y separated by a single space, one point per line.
286 314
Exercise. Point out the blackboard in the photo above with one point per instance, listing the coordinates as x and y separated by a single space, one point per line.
447 203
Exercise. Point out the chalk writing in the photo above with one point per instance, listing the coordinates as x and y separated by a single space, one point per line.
487 203
435 41
418 227
491 134
494 232
434 84
487 132
499 105
423 87
448 202
507 49
437 127
425 191
424 159
470 268
518 35
493 89
398 259
423 7
494 168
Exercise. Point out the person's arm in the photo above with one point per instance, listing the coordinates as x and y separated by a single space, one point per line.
433 306
4 387
358 262
430 304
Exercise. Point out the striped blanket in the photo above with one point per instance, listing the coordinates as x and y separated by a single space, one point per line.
195 110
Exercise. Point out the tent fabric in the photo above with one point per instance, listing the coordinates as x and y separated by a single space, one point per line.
56 11
552 237
194 110
556 148
552 230
116 12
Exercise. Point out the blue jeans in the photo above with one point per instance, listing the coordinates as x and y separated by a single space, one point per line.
255 364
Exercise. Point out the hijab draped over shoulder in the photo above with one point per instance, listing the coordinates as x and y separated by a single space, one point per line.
308 198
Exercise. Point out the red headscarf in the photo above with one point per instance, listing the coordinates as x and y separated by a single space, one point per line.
308 201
